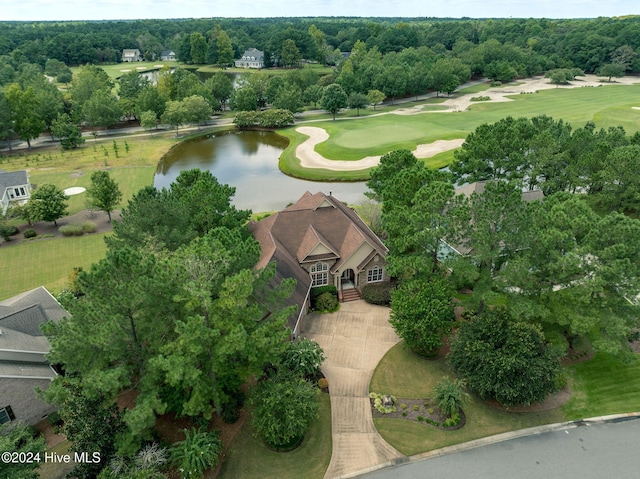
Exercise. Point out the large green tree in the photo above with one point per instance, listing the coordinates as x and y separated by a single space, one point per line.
505 359
103 193
416 212
421 314
102 109
25 116
578 271
333 99
195 204
48 203
69 134
226 333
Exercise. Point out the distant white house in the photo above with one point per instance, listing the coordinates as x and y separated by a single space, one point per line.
168 56
131 55
252 58
14 187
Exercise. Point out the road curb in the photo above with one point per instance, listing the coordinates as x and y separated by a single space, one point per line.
485 441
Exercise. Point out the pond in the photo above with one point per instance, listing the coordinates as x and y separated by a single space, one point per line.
248 160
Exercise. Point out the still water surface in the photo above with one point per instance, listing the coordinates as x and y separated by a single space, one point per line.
248 160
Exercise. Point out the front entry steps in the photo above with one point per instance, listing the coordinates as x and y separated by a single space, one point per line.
351 294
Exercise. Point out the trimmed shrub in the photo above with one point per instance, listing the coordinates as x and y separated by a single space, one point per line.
377 293
323 383
30 233
315 292
71 230
480 98
89 227
327 303
245 119
272 118
12 230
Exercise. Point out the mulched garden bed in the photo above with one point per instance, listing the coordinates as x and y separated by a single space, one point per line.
419 408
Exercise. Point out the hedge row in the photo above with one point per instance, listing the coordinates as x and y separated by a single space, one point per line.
272 118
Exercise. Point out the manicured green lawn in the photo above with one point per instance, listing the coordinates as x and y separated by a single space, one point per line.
355 139
601 386
130 181
46 262
249 458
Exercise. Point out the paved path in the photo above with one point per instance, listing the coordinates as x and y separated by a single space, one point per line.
354 340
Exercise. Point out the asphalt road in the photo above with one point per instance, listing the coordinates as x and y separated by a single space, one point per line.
608 450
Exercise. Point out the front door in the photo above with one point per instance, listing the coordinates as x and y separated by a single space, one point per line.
348 278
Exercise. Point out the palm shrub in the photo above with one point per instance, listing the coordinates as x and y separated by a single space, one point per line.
199 451
450 396
284 406
303 358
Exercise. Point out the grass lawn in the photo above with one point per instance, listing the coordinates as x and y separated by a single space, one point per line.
249 458
130 180
603 386
406 375
355 139
46 262
114 70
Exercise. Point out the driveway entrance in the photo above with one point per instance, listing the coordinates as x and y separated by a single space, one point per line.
354 340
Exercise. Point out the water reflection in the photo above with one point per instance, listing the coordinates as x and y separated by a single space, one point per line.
248 160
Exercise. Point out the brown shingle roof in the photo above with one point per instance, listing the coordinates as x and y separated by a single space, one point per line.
289 236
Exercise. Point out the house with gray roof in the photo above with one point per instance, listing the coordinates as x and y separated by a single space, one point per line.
252 58
14 187
23 350
131 55
319 241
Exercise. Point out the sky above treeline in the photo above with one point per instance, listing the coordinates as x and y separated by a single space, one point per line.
36 10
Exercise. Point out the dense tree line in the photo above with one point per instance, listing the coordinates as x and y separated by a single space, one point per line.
519 44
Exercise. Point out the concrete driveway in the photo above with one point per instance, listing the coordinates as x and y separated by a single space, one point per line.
354 340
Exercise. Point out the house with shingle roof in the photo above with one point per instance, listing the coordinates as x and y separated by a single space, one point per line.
131 55
14 186
320 241
23 350
252 58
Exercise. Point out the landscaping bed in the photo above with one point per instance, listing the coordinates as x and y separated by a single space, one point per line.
419 410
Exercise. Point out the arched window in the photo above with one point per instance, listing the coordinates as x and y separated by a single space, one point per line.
319 274
375 275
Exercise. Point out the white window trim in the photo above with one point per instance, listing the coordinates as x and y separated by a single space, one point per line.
375 274
319 274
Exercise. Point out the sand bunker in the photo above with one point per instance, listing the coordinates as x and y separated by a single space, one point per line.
309 158
74 190
126 70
